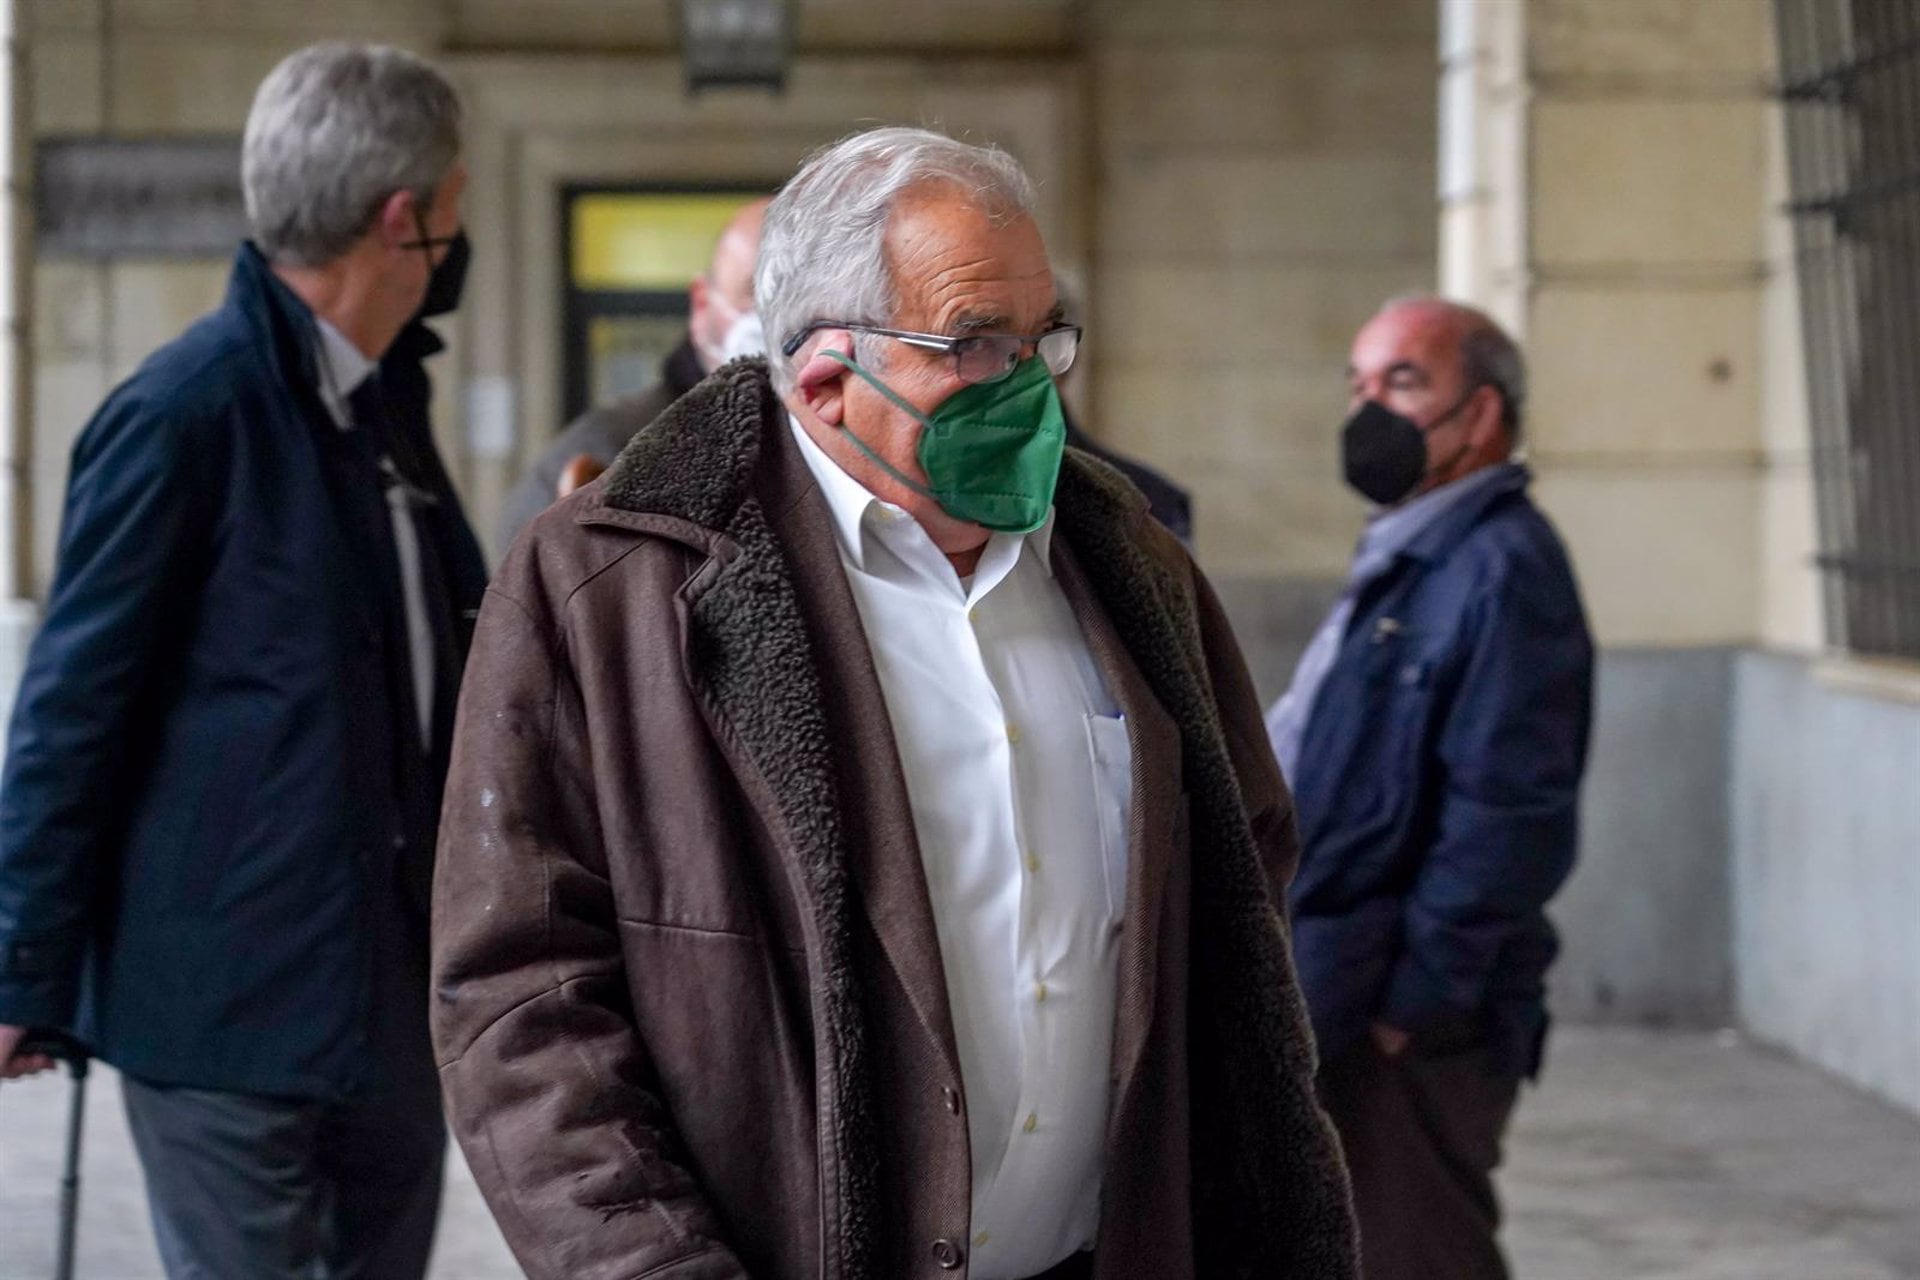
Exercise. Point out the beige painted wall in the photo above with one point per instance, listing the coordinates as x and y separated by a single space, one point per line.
147 67
1266 179
1615 197
1242 181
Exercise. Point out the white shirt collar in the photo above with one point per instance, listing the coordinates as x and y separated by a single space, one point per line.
859 515
343 367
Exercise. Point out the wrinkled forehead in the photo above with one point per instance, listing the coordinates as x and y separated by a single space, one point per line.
958 266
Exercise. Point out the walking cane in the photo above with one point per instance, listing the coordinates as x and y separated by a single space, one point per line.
64 1048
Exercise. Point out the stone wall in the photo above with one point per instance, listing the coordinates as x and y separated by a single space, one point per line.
1265 181
1826 870
1242 182
1605 195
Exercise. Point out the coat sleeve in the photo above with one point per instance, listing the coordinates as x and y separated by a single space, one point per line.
549 1087
132 542
1512 751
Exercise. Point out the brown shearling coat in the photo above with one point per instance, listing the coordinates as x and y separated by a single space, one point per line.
688 998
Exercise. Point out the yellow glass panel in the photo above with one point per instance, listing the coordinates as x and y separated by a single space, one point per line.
632 240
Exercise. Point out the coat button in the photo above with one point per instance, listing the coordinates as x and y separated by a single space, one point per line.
952 1099
947 1254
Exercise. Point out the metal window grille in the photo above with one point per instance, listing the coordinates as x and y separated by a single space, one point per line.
1850 81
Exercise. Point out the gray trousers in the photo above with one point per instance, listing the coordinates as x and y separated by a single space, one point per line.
1422 1133
244 1187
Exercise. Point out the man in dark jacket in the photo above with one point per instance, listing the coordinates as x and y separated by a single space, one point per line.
1435 735
224 772
721 324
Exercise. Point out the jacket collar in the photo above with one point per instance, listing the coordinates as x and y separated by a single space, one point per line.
1433 543
694 465
278 319
286 327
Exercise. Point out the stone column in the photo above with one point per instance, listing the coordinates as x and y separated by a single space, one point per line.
1603 193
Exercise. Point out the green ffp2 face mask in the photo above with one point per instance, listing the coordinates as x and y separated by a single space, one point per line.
991 451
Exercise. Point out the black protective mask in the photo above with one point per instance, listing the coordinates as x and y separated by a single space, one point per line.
448 277
1384 454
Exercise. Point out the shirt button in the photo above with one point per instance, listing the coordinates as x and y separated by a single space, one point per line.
980 1238
947 1254
1013 734
973 615
1033 864
1040 992
952 1099
1033 1122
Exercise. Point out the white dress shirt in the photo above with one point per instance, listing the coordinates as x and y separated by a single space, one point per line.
343 367
1019 775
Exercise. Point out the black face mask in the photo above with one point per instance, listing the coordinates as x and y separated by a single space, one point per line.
448 278
1384 454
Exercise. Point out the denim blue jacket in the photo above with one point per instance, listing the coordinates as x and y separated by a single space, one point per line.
1436 792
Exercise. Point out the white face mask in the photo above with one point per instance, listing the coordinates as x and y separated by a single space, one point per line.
745 337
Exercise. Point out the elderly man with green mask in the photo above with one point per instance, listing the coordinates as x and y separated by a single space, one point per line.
863 857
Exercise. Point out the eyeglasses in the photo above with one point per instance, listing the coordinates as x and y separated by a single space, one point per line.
427 240
977 358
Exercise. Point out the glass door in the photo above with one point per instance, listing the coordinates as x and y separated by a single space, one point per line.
630 254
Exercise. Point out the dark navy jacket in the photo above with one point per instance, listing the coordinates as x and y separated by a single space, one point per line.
210 772
1438 776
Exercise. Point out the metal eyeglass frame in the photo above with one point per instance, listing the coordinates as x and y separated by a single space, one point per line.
946 345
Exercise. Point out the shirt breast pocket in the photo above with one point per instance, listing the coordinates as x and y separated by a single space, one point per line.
1111 753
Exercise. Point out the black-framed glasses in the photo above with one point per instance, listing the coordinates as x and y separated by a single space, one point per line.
427 240
977 357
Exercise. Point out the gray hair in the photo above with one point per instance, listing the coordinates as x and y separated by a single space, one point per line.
334 131
1489 357
823 249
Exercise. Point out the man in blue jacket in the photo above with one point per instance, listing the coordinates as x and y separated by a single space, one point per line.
1435 734
223 777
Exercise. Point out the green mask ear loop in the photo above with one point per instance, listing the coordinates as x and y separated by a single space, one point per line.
904 407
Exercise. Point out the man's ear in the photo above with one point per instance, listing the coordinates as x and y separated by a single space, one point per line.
1489 411
397 223
821 381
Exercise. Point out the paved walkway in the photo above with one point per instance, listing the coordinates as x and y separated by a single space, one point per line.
1667 1156
1643 1156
